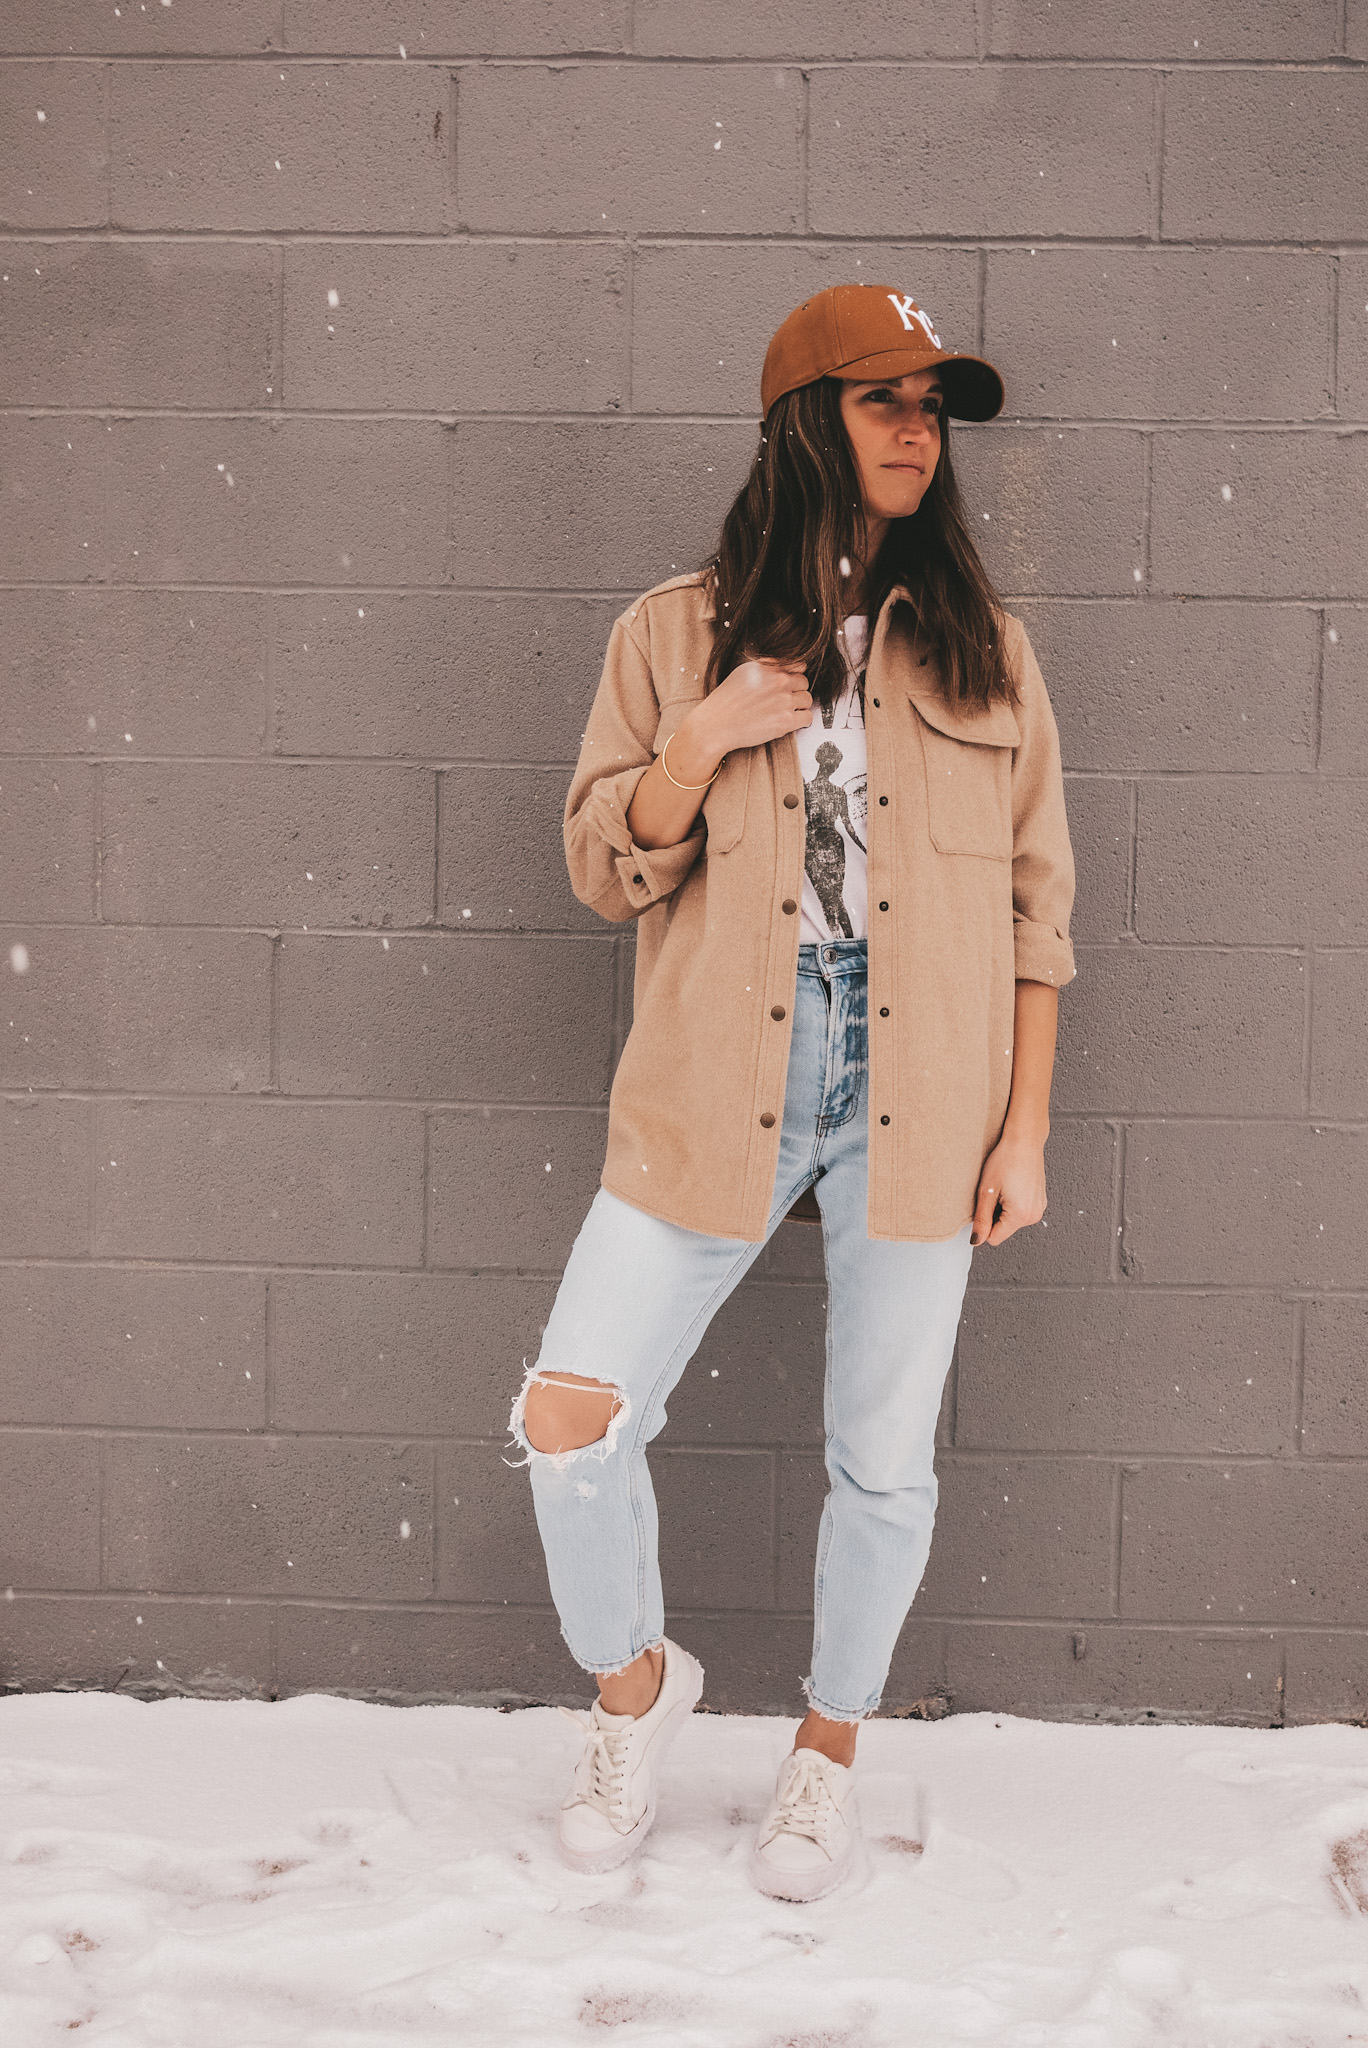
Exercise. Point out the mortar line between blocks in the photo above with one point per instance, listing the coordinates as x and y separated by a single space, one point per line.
629 326
425 1243
101 1574
803 147
1117 1527
268 1358
278 265
1298 1376
1133 863
1335 262
1118 1199
438 782
1322 618
776 1539
1308 1025
273 1027
1160 145
435 1520
97 839
268 711
106 84
453 191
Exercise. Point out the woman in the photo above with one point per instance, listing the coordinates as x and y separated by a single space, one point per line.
823 773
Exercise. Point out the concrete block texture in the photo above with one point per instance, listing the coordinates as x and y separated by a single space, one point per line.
1179 686
1248 1203
362 365
261 146
1259 515
604 148
76 316
104 672
54 170
1251 1542
438 676
413 327
1308 187
982 150
1205 33
322 1515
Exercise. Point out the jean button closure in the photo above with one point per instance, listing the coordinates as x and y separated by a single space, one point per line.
830 955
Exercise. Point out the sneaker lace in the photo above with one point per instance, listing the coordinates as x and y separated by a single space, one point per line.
807 1806
606 1755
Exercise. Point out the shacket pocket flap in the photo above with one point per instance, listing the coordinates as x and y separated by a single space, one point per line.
724 806
968 759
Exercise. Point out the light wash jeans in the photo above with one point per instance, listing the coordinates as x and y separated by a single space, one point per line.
635 1300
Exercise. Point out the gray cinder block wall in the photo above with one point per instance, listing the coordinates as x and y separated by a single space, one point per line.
349 390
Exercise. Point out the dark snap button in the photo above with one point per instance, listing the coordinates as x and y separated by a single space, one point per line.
876 703
884 1119
767 1121
883 1013
883 906
636 878
790 802
883 799
778 1013
789 906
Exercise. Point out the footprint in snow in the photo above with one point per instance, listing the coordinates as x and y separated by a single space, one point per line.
1349 1872
964 1868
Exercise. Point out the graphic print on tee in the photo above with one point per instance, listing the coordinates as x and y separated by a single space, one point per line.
832 753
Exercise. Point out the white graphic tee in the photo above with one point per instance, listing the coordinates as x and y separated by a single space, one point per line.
832 753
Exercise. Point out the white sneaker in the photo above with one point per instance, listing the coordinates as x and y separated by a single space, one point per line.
608 1811
807 1840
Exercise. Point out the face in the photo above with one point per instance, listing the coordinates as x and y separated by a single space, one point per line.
895 435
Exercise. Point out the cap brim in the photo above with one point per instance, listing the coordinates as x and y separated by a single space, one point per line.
973 388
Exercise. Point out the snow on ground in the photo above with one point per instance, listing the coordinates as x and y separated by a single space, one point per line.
340 1875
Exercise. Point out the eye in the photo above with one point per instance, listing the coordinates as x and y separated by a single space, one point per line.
881 395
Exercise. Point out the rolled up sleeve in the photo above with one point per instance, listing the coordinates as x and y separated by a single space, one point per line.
1042 855
608 871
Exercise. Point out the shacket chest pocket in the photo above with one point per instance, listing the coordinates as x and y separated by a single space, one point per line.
968 761
724 806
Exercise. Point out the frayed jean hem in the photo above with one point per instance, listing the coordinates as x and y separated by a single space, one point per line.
849 1716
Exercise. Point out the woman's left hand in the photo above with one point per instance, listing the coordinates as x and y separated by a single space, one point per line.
1013 1175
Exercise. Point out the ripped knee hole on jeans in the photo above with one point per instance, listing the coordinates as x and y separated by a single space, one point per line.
600 1447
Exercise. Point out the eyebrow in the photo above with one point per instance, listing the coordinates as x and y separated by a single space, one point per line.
876 383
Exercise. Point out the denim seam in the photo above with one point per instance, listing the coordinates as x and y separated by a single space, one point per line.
638 1442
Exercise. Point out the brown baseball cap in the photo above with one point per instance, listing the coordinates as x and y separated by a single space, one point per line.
866 331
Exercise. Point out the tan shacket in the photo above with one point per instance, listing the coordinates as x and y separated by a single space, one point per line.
971 885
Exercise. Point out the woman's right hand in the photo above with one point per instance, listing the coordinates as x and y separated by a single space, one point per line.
760 700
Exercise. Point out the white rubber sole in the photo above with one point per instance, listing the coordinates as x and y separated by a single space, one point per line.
593 1862
795 1885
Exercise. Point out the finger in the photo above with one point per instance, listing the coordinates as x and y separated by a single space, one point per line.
983 1215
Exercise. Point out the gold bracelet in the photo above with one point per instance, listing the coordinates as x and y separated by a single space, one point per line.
687 785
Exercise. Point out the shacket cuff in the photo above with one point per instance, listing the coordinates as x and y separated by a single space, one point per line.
648 874
645 875
1042 953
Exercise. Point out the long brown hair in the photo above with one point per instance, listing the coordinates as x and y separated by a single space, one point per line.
776 577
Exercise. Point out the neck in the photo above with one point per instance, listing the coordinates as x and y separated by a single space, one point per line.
871 540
